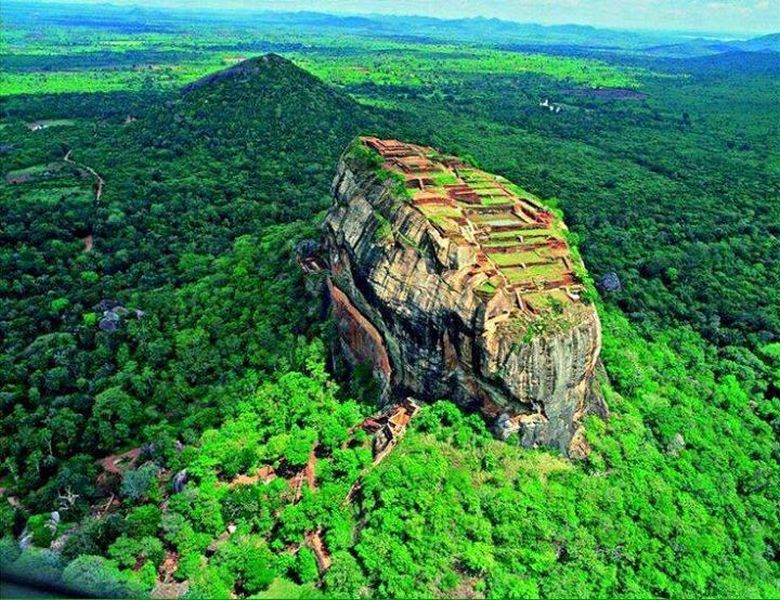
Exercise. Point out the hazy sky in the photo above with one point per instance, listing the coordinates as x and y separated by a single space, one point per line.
756 16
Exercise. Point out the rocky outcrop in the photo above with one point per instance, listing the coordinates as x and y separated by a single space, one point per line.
431 304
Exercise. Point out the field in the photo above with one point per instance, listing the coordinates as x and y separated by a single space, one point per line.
107 60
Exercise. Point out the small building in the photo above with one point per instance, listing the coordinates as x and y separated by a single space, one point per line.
393 425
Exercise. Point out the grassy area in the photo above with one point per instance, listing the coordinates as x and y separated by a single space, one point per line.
486 189
55 194
513 258
497 220
526 233
35 171
443 178
421 66
433 210
497 201
547 272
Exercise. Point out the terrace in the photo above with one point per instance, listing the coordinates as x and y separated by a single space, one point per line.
517 247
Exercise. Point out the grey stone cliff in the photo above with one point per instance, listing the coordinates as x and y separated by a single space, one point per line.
432 336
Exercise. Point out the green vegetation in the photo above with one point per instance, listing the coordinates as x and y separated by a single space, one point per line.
222 371
384 231
503 259
477 514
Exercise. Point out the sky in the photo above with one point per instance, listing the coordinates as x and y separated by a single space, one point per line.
738 16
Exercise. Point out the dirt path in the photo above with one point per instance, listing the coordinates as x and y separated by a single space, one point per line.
313 538
99 184
99 181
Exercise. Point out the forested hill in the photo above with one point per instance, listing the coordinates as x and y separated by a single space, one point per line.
266 125
183 234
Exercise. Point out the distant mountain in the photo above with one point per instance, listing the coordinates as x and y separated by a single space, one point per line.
769 42
424 29
508 34
708 46
475 29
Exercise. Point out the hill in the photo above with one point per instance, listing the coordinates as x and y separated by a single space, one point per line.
765 43
707 46
192 188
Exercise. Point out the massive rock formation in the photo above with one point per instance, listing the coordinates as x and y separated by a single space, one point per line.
454 283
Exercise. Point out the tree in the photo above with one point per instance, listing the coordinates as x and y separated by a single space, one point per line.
144 521
141 483
345 577
96 576
134 552
114 416
300 446
306 569
41 565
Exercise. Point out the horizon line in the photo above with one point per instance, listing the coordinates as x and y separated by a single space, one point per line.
239 9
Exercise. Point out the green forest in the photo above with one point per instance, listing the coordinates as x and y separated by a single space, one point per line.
161 350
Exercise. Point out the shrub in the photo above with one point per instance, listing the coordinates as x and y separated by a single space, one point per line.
210 583
128 552
301 443
7 518
144 521
141 483
345 578
96 576
248 560
41 530
306 569
9 552
93 537
38 564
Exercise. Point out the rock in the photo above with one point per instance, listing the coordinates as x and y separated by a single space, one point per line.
108 325
609 282
25 539
170 590
241 72
405 300
504 426
104 305
307 248
58 544
179 481
676 445
110 322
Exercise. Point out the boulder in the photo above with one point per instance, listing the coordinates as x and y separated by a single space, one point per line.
307 248
609 282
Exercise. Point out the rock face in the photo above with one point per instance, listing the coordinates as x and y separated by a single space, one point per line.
455 284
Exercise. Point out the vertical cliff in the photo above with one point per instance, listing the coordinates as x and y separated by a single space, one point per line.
454 283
